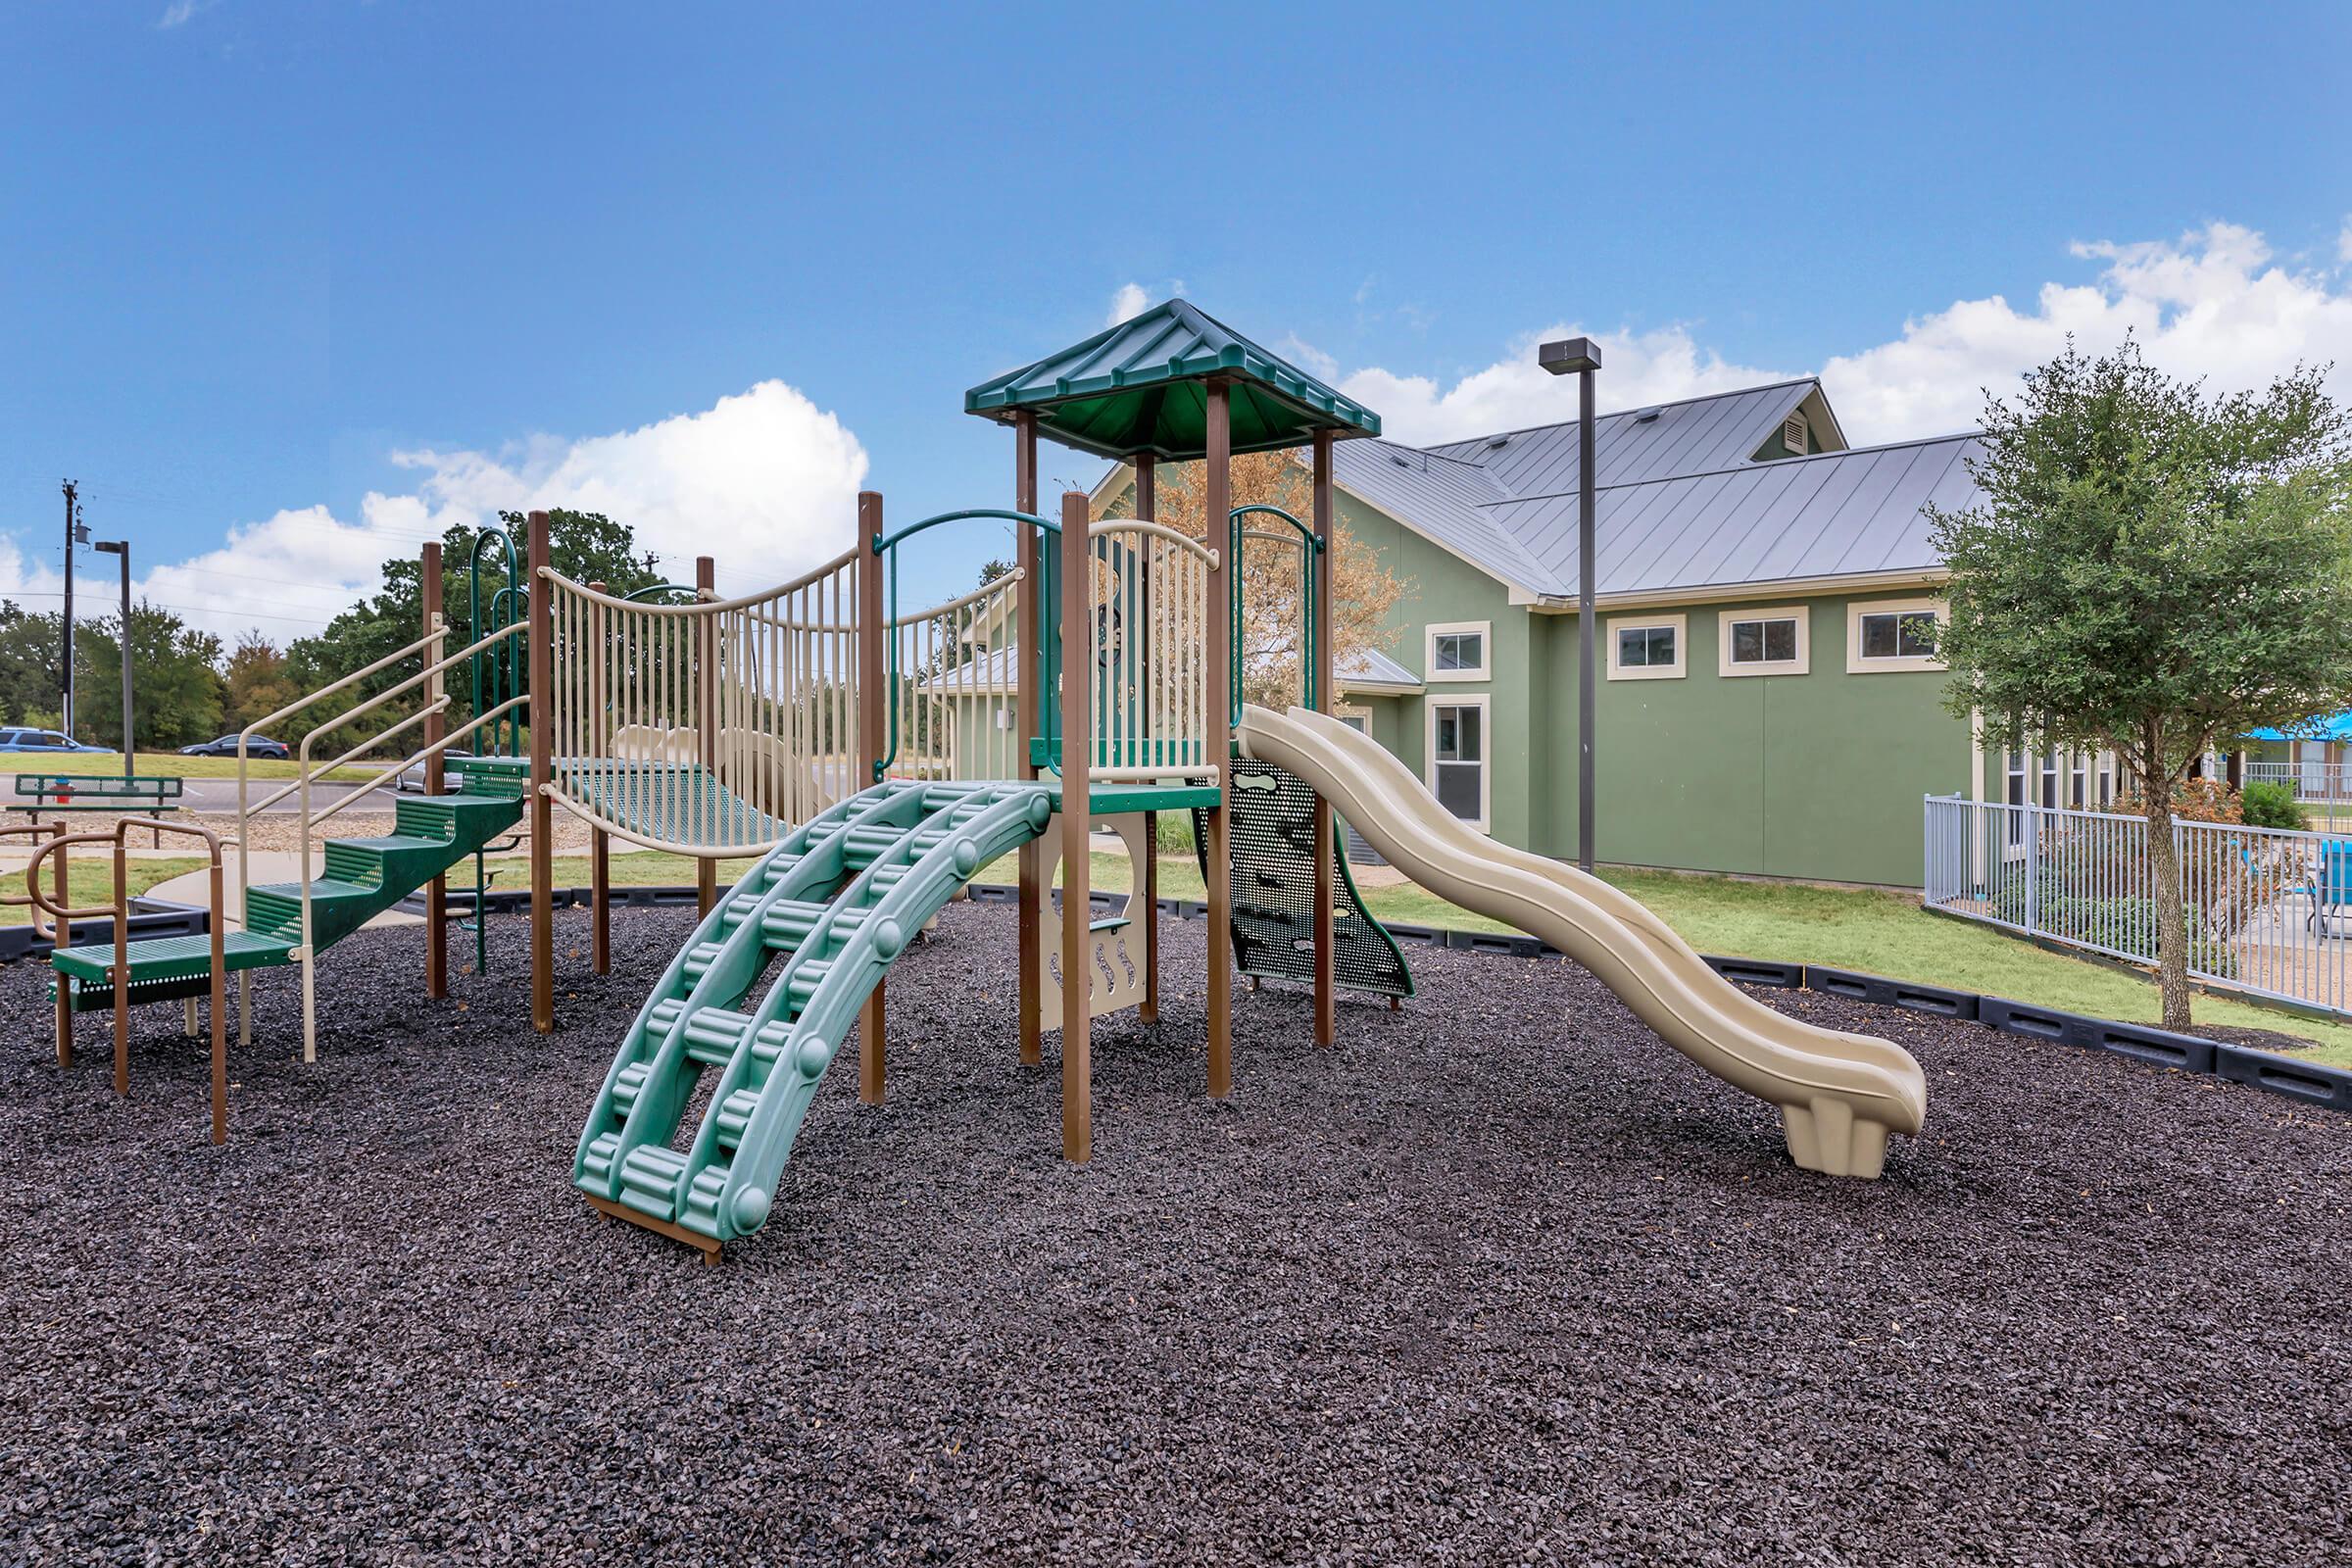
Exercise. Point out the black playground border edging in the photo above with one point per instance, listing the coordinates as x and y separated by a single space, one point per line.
2308 1082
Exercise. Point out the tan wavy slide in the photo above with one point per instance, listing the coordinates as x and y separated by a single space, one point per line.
1840 1095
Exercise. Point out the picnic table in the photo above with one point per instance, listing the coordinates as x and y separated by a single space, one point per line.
141 794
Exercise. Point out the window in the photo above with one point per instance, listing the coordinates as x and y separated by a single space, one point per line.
1764 642
1457 758
2077 793
1889 634
1647 647
1457 650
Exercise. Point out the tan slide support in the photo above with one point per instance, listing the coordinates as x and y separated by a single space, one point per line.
1839 1094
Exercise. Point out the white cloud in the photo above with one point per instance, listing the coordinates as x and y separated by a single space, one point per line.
1636 369
2213 303
765 482
1126 304
2343 243
180 12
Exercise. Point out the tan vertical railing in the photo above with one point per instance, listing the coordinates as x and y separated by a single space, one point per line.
707 728
1151 607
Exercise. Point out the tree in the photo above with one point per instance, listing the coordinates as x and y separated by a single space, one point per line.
1273 624
2155 571
585 546
173 677
258 682
32 680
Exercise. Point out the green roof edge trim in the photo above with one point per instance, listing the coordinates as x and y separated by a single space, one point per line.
1098 395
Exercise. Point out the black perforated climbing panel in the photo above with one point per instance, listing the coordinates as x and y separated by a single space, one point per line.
1272 828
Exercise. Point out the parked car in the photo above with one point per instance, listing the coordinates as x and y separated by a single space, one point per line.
412 777
227 746
41 740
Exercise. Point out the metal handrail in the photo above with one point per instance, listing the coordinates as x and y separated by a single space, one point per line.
701 606
1308 544
120 969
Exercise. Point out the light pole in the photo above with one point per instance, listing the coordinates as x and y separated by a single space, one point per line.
1583 356
122 547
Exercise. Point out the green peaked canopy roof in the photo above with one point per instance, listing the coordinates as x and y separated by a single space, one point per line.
1140 390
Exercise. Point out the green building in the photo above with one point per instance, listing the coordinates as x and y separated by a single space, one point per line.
1767 707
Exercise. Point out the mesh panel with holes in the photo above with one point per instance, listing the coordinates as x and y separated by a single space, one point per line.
1273 825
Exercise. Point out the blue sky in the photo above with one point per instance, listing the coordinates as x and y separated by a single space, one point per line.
254 253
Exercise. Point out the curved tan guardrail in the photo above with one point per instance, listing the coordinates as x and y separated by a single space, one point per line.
1840 1095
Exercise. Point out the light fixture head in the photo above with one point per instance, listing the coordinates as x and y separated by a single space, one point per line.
1569 355
113 547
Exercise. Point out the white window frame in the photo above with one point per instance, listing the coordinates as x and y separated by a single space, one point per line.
1484 629
1486 761
1802 664
1680 626
1857 665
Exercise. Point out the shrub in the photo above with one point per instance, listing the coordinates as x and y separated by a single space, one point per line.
2271 803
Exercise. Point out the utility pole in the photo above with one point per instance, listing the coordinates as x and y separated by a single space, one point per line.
65 705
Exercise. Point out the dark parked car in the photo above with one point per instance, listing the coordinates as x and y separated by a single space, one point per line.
227 746
41 740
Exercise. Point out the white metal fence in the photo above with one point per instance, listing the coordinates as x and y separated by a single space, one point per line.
2327 783
2269 911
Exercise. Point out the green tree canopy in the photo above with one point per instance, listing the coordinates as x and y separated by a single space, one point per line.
175 680
2154 570
583 544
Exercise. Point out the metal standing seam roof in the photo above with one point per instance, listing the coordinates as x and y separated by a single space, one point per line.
1369 666
1681 502
1141 388
1832 514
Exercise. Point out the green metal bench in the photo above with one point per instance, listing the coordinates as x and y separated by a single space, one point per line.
137 794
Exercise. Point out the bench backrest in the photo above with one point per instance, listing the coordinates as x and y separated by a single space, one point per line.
101 786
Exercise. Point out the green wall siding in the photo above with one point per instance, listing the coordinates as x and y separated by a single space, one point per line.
1816 776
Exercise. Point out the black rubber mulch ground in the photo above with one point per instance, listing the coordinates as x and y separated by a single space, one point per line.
1498 1279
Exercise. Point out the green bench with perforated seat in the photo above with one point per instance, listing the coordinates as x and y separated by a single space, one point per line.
135 794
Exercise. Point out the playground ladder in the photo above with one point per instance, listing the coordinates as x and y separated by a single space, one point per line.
826 911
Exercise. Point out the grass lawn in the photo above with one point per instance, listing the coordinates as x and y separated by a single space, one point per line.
1881 933
166 765
90 880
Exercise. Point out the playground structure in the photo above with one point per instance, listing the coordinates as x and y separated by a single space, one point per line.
872 760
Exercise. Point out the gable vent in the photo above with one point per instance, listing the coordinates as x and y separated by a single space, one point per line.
1793 433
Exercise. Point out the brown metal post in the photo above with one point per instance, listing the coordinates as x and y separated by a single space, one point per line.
706 714
436 892
1028 645
540 805
1326 980
873 692
1146 509
1077 863
218 998
1217 521
600 843
121 974
65 939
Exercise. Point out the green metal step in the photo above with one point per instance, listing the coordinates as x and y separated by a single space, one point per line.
363 878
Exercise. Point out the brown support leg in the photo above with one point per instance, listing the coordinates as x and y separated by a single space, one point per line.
121 974
1029 639
1146 509
1077 860
1149 1009
64 985
1320 675
600 901
872 716
436 892
1219 487
218 998
542 811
